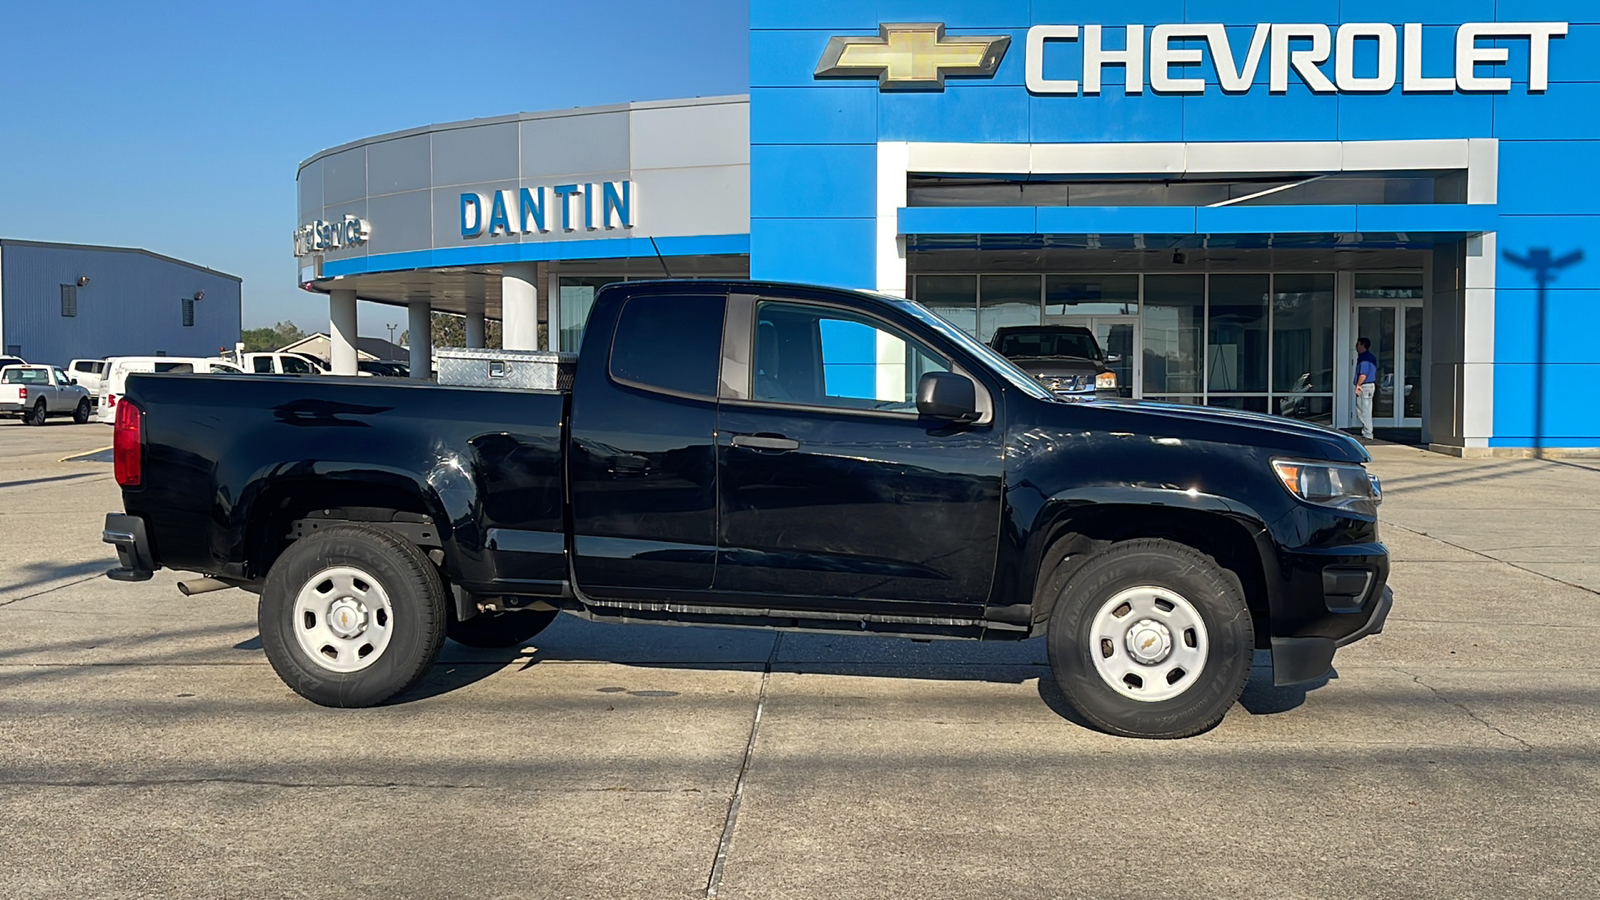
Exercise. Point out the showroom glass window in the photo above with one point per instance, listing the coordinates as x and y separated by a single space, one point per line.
1174 335
1236 334
1091 295
1007 300
1302 346
953 297
577 301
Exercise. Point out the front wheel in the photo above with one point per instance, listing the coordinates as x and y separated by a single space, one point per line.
1151 639
40 413
351 616
80 415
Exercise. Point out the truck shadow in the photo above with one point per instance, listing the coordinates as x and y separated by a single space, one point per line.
571 640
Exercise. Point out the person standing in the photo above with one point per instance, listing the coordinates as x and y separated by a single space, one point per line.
1366 384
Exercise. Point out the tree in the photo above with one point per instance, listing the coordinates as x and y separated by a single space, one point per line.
450 330
258 340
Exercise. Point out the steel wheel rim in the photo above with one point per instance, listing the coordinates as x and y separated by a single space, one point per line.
343 619
1149 644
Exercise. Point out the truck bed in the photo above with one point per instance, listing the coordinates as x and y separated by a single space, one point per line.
485 465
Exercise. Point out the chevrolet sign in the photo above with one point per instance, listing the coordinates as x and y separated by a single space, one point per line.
912 55
1324 57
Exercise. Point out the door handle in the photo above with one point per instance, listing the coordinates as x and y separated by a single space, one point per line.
764 442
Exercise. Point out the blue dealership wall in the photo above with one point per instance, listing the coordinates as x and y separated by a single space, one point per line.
813 153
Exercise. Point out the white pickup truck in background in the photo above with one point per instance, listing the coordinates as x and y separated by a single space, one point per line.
34 393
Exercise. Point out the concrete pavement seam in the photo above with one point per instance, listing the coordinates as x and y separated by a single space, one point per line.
1526 747
1492 558
314 785
52 590
719 862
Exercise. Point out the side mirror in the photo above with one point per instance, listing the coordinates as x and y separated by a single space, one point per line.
946 395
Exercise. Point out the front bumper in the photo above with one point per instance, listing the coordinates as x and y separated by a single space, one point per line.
1300 659
127 533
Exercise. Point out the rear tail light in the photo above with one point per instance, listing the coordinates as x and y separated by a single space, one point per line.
22 393
111 400
127 445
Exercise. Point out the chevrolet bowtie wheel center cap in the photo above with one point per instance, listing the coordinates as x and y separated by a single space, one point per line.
347 618
1149 641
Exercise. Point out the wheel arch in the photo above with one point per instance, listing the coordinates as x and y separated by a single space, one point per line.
1072 532
275 504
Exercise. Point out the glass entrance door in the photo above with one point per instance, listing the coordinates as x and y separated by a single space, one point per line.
1395 330
1118 337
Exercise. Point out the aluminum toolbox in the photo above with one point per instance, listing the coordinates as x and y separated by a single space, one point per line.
537 370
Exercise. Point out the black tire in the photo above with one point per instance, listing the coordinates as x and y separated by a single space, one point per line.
413 623
1174 573
493 631
41 413
80 415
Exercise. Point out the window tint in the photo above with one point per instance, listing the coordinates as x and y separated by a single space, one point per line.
224 370
179 368
818 356
296 366
262 365
671 342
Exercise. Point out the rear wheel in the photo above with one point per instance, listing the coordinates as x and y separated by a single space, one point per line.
1151 639
80 415
40 413
495 630
351 616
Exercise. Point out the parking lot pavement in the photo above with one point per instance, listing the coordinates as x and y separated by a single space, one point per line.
147 748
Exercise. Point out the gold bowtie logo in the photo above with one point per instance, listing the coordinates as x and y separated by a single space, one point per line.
1150 642
912 56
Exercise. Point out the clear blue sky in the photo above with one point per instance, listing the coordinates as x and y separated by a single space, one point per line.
178 127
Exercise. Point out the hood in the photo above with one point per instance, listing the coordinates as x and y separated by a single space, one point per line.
1049 365
1275 434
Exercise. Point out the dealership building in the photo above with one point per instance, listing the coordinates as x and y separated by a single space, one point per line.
1226 199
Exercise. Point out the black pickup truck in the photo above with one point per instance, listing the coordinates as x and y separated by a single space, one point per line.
768 456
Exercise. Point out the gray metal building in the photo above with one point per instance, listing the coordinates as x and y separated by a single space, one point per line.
520 218
60 302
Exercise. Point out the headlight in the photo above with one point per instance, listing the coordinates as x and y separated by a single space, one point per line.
1106 381
1334 485
1065 383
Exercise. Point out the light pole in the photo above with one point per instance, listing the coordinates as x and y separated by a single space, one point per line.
391 332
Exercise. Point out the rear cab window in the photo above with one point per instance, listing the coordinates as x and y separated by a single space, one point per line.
26 376
671 343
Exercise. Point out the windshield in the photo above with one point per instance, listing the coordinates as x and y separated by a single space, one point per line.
1019 379
1076 344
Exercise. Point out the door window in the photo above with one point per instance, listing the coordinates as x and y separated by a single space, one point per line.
262 365
669 342
294 365
820 356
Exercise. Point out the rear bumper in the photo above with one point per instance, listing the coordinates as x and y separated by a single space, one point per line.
127 533
1300 659
11 408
